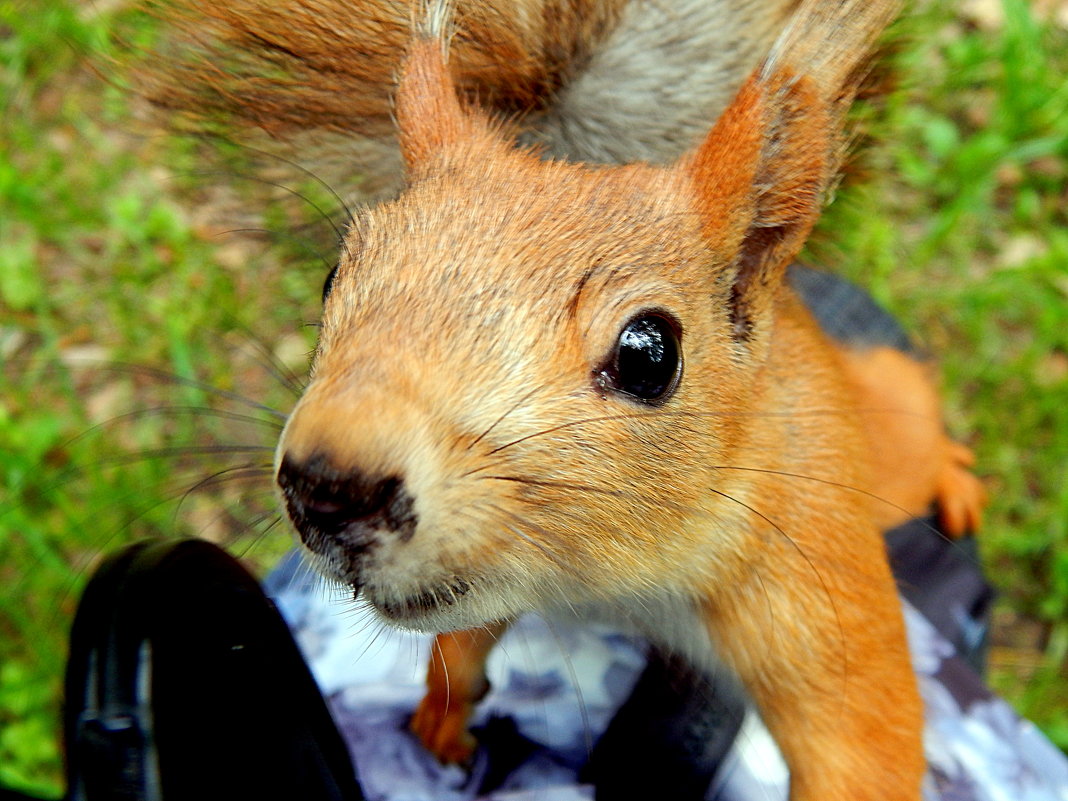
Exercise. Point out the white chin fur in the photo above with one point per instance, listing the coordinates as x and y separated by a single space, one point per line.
441 609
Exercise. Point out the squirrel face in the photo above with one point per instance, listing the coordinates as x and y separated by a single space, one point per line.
508 405
528 371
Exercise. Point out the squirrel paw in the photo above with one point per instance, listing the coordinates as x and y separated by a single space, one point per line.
441 726
959 493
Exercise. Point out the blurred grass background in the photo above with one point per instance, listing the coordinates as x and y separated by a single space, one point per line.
145 341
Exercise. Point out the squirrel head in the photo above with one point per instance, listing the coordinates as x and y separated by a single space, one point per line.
527 369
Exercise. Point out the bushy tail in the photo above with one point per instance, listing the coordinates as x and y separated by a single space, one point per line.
592 80
297 65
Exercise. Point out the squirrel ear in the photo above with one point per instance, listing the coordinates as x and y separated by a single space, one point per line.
761 176
429 114
764 170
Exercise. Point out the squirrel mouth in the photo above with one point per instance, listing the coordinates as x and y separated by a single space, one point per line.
418 605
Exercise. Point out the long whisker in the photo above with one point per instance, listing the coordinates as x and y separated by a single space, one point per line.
704 513
630 495
129 523
512 409
275 519
837 485
535 482
235 473
177 451
184 450
286 377
198 411
874 496
163 375
587 730
793 543
285 236
519 521
276 185
300 168
662 413
843 650
247 526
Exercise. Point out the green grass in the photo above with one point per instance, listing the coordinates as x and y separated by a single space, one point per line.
963 233
118 297
114 253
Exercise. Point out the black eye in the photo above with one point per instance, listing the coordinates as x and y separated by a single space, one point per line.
328 284
647 359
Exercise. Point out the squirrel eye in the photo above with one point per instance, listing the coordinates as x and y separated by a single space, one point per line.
647 359
328 284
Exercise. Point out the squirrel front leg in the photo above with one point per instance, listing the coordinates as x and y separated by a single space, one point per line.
914 462
827 665
456 681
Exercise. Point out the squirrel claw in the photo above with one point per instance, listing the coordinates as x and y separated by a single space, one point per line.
960 495
442 729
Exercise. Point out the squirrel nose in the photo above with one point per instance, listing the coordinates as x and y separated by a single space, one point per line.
323 501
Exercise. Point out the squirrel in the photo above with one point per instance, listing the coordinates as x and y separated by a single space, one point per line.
561 369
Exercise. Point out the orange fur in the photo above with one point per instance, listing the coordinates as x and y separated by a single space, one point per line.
288 67
458 396
915 463
456 681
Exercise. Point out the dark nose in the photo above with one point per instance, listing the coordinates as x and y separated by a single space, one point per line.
347 505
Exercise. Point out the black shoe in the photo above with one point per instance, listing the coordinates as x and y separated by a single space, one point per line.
184 682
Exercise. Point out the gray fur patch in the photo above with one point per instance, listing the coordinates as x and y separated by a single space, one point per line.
660 80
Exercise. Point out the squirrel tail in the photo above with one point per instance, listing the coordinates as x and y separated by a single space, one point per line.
609 81
296 65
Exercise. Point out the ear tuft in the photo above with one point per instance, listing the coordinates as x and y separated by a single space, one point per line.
799 159
429 113
763 172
